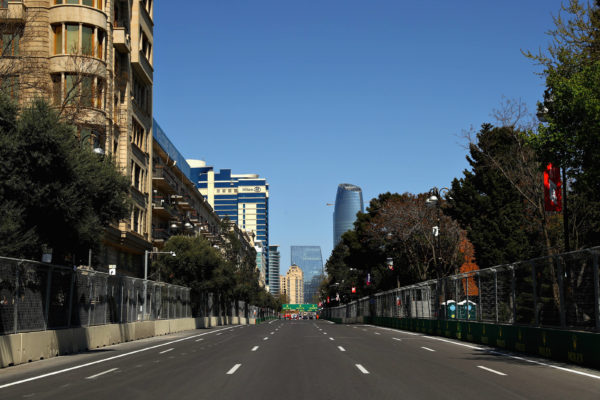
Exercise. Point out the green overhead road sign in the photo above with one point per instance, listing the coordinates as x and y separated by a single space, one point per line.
300 307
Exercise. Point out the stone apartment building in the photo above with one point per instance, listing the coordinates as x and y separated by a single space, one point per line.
93 60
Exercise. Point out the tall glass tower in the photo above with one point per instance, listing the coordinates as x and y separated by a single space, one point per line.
310 261
348 202
273 275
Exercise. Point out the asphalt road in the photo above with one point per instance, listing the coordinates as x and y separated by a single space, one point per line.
304 359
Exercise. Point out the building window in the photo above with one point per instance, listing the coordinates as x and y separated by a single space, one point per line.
9 44
72 38
72 88
58 38
92 137
9 85
137 176
66 40
87 40
90 3
138 136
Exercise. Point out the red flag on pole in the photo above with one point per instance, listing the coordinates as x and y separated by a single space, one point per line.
552 185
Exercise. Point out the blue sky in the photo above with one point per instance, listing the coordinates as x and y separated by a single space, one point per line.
310 94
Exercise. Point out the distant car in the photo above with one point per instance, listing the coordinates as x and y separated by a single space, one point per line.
305 317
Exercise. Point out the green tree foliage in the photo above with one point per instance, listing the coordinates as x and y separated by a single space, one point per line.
53 190
488 205
571 112
225 272
398 227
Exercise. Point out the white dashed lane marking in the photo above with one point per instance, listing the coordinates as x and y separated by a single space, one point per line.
166 351
491 370
233 369
427 348
255 348
362 369
102 373
341 348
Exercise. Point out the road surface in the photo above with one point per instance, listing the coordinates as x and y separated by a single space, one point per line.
305 359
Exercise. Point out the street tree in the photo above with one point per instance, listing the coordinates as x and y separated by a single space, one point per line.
54 192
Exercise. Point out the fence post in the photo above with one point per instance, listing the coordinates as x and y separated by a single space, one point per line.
47 306
90 300
467 288
496 292
106 306
456 297
535 299
561 292
480 305
71 298
596 292
513 286
16 298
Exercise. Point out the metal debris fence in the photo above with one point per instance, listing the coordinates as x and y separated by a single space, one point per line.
36 296
560 291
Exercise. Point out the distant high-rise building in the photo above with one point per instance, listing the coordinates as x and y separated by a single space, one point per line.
294 285
273 271
348 202
261 263
309 259
243 198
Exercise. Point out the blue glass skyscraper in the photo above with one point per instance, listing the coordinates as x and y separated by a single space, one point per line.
348 202
310 261
243 198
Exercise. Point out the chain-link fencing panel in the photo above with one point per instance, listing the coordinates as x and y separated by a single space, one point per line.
8 296
61 282
524 293
547 291
579 289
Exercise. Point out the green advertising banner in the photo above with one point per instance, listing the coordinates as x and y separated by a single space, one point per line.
300 307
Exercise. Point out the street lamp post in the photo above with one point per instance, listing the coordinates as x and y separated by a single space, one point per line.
146 254
434 200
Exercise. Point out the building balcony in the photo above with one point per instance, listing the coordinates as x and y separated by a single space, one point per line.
121 40
142 66
160 234
163 210
75 13
15 11
138 197
164 180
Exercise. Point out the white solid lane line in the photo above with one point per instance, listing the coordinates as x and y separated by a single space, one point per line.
427 348
198 340
255 348
62 371
377 333
233 369
218 334
102 373
491 370
362 369
341 348
166 351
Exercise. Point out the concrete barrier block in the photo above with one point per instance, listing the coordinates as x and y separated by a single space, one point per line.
127 331
252 321
35 346
10 350
162 327
144 329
